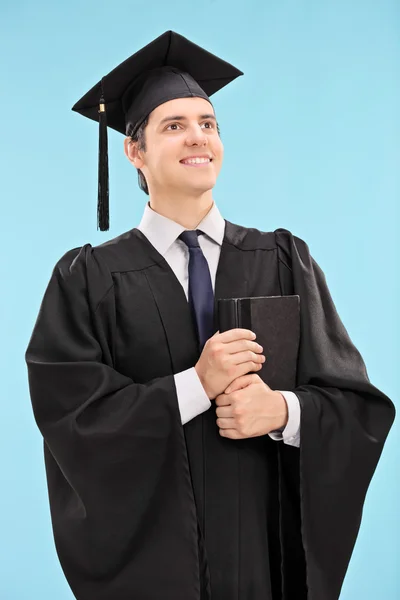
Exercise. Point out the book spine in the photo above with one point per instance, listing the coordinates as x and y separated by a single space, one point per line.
244 313
227 314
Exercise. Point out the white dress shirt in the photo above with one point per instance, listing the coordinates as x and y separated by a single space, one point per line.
163 234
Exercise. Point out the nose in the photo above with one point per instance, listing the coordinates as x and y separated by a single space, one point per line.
196 136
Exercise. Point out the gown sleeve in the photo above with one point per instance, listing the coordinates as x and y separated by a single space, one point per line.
118 478
344 423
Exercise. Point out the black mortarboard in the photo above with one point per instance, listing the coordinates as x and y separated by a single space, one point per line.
169 67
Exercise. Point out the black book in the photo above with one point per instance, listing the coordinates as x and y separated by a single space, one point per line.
276 322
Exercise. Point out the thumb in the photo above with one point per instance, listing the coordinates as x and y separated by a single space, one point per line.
242 382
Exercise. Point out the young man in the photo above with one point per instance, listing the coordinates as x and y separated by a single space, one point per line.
174 472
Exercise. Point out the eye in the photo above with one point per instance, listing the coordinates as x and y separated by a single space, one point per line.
210 123
172 125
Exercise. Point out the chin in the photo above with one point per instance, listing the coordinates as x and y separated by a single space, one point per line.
201 190
190 189
204 186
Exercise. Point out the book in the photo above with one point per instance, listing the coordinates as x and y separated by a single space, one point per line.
276 322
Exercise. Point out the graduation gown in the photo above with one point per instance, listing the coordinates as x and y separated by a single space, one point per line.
145 508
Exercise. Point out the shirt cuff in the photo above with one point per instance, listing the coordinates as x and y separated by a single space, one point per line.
291 433
192 398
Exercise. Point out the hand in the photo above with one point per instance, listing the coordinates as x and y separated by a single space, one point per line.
249 408
227 356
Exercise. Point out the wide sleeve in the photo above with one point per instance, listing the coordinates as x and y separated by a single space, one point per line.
118 477
344 423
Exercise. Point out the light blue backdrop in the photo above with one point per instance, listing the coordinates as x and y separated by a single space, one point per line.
311 136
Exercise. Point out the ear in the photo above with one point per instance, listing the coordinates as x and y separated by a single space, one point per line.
132 153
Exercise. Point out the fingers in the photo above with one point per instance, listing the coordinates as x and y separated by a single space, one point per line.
224 412
241 345
232 434
236 334
244 351
245 368
222 400
246 357
226 423
242 382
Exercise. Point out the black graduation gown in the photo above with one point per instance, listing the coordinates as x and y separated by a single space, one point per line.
144 508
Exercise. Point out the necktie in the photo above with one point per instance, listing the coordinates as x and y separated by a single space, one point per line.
201 296
201 301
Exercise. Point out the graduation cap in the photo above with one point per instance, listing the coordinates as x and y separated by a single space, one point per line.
170 67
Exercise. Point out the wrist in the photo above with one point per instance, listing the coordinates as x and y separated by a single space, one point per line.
283 413
202 381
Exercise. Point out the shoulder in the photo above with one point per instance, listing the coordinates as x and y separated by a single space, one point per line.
72 261
127 251
252 238
82 273
289 243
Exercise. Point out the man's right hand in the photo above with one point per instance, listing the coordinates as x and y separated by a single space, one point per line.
227 356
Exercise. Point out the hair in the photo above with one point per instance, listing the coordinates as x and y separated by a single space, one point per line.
140 139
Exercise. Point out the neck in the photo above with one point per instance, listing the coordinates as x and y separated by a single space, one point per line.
186 210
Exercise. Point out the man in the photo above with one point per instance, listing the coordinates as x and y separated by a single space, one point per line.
173 471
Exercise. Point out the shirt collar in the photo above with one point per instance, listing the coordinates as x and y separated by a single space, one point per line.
162 231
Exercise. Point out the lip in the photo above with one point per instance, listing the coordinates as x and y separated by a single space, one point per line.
196 156
199 164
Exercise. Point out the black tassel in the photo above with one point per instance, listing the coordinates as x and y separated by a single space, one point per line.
103 190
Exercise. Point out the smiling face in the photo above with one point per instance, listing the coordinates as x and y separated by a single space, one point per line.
183 149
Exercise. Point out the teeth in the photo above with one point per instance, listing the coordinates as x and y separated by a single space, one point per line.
194 161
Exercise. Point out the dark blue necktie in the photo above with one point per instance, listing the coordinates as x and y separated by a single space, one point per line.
201 302
201 296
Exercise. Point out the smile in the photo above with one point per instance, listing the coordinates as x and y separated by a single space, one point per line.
196 162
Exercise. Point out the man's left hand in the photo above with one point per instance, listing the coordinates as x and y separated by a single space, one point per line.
249 408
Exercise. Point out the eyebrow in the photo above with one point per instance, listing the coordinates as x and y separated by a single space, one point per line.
181 118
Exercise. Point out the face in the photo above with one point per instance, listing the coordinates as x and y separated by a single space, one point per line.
179 132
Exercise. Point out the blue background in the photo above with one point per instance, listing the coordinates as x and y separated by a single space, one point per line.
311 135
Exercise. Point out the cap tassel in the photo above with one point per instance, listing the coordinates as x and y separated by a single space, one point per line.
103 219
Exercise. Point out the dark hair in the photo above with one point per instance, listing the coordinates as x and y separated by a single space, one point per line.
140 138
